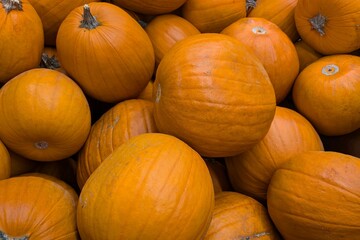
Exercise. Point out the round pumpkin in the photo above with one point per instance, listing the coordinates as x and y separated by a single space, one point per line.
316 195
290 133
327 93
306 54
212 16
106 51
116 126
237 216
37 206
146 189
150 7
5 162
22 38
329 26
274 49
212 92
44 115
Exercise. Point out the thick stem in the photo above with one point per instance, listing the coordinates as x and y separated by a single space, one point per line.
250 4
10 5
318 23
49 62
89 21
4 236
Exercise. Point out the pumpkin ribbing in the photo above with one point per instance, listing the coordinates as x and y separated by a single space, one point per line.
89 21
10 5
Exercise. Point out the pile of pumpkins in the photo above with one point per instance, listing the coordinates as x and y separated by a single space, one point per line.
182 119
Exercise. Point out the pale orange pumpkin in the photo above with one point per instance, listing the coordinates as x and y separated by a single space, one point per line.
306 54
5 162
44 115
154 186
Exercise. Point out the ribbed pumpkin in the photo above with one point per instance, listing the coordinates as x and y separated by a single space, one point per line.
212 92
290 133
274 49
37 206
327 93
237 216
306 54
5 162
150 7
329 26
212 16
22 38
316 195
152 187
106 51
44 115
116 126
280 12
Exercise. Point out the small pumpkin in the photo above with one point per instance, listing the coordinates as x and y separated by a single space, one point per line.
5 162
306 54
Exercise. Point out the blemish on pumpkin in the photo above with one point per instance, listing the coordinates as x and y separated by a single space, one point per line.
330 69
41 145
259 30
158 93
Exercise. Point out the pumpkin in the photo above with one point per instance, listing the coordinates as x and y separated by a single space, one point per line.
22 38
116 126
274 49
21 165
327 93
165 30
290 133
146 94
219 176
237 216
52 13
44 115
146 189
5 162
37 206
49 59
213 93
329 26
306 54
109 54
212 16
150 7
280 12
315 195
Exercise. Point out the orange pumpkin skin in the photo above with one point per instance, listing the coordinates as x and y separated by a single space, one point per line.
5 162
329 27
116 126
327 93
44 115
165 30
37 206
22 39
280 12
290 133
306 54
274 49
111 62
237 216
146 189
213 16
212 92
315 195
150 7
147 93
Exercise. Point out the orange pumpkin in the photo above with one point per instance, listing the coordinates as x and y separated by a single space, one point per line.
150 7
274 49
212 16
109 54
146 189
116 126
147 93
22 38
327 93
280 12
306 54
329 26
212 92
218 175
290 133
37 207
316 195
237 216
49 59
5 162
44 115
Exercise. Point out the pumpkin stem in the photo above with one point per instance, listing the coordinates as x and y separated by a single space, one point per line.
89 21
10 5
4 236
318 23
49 62
250 4
41 145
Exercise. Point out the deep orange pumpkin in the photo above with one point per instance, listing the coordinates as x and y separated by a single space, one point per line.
152 187
306 54
5 162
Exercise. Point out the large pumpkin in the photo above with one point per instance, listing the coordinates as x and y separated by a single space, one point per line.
274 49
152 187
290 133
116 126
212 92
37 206
149 7
109 54
327 93
22 38
316 195
329 26
5 162
44 115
